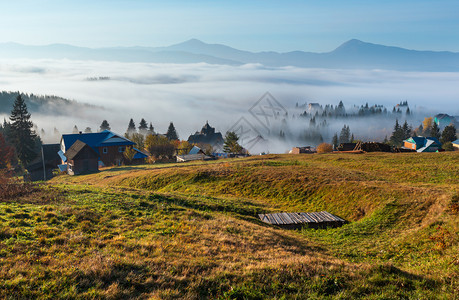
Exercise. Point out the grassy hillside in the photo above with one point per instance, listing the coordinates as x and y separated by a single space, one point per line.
191 230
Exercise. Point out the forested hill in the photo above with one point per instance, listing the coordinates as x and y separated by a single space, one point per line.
41 104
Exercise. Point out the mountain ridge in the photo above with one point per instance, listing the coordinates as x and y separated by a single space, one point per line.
352 54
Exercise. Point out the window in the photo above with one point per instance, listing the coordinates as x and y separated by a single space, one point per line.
121 149
105 150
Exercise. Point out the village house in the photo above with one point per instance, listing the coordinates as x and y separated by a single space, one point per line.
422 144
456 145
444 120
106 146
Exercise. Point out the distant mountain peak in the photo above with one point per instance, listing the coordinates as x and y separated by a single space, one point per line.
192 42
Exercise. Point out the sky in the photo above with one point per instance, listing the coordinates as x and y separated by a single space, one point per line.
317 26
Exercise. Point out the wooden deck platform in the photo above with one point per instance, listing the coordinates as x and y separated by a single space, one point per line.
298 220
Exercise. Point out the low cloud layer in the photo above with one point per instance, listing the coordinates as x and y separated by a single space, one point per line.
190 94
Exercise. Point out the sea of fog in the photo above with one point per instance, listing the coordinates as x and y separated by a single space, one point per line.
191 94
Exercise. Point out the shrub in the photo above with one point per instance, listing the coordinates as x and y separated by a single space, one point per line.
324 148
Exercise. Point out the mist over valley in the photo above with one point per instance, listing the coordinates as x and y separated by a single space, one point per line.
191 93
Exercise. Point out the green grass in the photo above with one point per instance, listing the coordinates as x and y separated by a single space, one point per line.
191 231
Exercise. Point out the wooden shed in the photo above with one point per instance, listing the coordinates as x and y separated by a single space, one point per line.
295 220
81 159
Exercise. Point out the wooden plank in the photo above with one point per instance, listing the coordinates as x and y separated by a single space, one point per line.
278 220
312 216
294 218
309 219
316 217
325 217
287 218
271 219
329 215
284 220
334 217
263 217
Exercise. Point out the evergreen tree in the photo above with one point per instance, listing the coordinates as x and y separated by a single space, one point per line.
448 134
143 126
345 135
75 130
151 129
131 126
231 144
435 131
20 132
88 130
104 126
172 133
335 140
408 112
397 135
406 129
352 138
419 131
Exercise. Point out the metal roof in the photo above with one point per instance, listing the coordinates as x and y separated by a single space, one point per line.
76 148
95 140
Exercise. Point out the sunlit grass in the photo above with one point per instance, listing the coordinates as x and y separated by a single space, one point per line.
191 230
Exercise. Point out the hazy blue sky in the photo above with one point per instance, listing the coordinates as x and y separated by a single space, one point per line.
250 25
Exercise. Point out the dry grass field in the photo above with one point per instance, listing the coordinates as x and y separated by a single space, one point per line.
191 230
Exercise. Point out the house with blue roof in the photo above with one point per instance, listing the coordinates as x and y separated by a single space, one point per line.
107 145
456 145
422 144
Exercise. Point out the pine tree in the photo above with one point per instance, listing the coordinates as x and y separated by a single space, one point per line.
335 140
435 131
20 132
131 127
171 133
408 112
151 129
397 135
345 135
143 126
87 130
104 126
406 129
231 144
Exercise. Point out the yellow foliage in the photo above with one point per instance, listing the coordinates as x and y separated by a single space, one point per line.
324 148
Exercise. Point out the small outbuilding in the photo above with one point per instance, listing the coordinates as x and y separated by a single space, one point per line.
295 220
301 150
81 159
